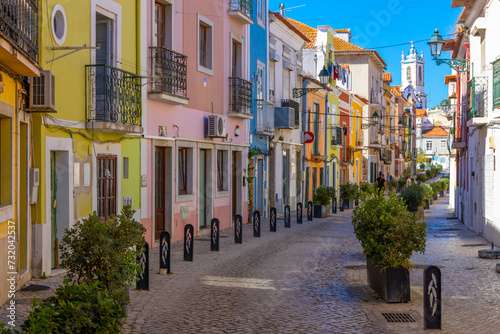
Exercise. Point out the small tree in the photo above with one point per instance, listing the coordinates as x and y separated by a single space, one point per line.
412 197
321 196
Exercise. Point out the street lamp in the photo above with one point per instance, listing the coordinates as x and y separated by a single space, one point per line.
436 44
324 78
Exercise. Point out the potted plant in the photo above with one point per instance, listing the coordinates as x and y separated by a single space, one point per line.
349 192
427 195
332 193
389 234
435 189
321 200
412 197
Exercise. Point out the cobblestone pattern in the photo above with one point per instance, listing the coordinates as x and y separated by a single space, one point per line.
310 278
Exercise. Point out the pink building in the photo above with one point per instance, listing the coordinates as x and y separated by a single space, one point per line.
198 103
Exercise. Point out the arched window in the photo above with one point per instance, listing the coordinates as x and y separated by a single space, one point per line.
408 73
420 76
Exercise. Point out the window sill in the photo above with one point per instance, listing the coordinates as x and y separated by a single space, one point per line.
223 193
184 198
205 70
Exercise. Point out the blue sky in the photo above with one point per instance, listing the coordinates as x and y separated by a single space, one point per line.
377 24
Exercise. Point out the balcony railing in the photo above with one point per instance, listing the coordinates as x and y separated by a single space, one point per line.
477 97
388 157
264 117
240 96
169 71
19 22
295 106
375 98
112 95
244 6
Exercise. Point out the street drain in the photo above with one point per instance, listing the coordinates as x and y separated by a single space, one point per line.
35 288
399 317
475 245
356 267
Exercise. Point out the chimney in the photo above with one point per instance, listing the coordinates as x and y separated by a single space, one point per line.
282 10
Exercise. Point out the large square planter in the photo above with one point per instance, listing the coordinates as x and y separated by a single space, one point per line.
320 211
392 284
348 204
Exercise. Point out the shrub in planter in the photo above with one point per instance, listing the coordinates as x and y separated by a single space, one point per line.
349 192
427 195
389 235
435 189
77 308
429 173
104 251
412 197
331 192
392 184
421 177
366 190
321 198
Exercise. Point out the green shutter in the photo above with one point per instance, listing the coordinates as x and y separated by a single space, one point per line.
496 84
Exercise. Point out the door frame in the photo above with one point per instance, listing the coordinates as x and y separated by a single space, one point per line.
239 182
169 145
210 184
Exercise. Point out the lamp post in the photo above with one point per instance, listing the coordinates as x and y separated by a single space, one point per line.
436 44
324 77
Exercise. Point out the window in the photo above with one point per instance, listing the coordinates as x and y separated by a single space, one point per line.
5 160
408 73
286 84
316 121
428 145
260 10
443 143
261 79
272 81
106 185
183 170
321 176
58 21
205 45
222 170
236 59
420 75
159 24
496 84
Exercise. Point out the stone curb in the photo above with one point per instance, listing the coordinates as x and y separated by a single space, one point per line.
489 254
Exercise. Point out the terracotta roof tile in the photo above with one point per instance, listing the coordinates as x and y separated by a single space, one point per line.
291 26
310 32
437 131
340 45
421 112
396 90
342 30
387 76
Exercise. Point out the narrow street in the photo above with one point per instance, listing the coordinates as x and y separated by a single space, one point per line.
310 278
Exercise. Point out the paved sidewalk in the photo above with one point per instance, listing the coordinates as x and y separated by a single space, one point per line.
310 278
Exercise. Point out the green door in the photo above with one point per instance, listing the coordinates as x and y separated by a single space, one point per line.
53 211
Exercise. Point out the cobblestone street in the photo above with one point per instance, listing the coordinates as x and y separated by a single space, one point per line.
310 278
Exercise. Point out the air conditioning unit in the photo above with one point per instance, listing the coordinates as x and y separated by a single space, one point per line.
284 118
43 92
216 126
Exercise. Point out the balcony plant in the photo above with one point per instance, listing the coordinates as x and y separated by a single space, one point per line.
389 235
321 201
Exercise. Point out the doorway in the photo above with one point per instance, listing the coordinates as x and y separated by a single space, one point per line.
259 205
236 184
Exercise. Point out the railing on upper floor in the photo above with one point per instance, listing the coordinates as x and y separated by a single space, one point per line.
240 96
19 22
264 117
477 97
295 106
112 95
244 6
169 70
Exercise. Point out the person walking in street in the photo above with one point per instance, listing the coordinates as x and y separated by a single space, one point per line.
381 183
409 180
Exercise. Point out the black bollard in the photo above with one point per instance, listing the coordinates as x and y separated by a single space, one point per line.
334 205
188 242
214 235
256 224
432 297
143 259
309 211
299 213
272 220
341 204
238 229
287 216
165 251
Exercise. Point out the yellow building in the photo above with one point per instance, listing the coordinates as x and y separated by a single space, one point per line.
357 105
88 118
18 59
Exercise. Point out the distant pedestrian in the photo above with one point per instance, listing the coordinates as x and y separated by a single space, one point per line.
389 177
409 180
381 183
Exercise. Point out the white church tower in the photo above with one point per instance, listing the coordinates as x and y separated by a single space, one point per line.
413 76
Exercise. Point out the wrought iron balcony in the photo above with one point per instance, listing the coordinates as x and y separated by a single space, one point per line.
388 157
113 96
375 99
241 10
336 136
169 70
264 116
240 98
477 97
295 106
19 22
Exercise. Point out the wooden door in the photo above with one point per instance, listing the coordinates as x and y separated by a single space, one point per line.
159 191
